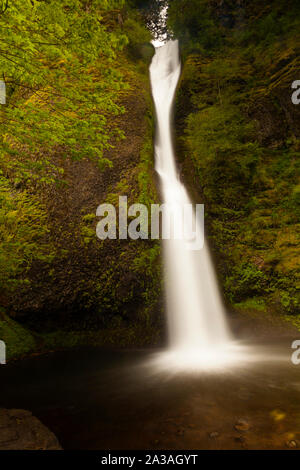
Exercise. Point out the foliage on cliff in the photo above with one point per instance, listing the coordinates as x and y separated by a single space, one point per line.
76 131
58 61
241 140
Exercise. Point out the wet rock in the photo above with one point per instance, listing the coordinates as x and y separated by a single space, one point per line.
8 434
19 430
292 444
242 425
240 439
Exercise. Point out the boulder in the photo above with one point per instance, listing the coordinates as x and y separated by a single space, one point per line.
20 430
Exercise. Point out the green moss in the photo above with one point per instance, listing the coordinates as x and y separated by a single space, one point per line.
255 303
147 189
110 290
23 234
293 320
22 342
19 341
120 337
234 138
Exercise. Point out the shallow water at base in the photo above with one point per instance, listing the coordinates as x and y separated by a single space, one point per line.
229 357
95 399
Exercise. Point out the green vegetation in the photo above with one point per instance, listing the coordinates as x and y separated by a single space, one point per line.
239 137
254 303
58 59
22 229
76 131
19 340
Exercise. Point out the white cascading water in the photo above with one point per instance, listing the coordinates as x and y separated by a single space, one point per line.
196 319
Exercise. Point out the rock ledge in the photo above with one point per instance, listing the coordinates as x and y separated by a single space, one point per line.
19 430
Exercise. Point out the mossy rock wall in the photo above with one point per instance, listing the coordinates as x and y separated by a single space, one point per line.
238 142
91 291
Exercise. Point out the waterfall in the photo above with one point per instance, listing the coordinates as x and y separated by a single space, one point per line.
195 315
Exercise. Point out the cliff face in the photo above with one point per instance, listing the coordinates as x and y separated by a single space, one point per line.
91 283
84 290
238 136
238 143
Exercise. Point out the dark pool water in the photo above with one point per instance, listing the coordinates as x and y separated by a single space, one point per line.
95 399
